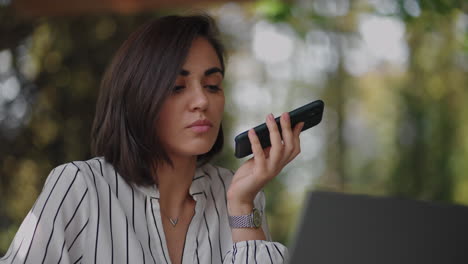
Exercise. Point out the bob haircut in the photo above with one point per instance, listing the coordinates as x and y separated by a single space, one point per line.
135 85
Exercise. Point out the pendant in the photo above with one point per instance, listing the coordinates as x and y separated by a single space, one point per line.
173 222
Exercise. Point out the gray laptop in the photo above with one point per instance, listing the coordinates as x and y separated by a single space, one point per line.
338 228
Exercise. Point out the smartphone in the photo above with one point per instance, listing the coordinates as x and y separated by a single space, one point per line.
311 114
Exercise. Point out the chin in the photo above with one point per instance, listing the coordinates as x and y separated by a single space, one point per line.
205 149
193 147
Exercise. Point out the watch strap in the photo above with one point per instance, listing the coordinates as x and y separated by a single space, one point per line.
252 220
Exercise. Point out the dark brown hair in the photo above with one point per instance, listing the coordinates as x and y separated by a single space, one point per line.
136 83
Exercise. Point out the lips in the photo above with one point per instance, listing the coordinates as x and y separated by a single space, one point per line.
201 122
201 126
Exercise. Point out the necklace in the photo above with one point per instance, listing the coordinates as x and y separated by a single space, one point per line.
172 221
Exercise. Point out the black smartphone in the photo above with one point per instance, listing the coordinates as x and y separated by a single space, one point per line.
311 114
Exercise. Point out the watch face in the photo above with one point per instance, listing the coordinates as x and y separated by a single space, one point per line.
257 218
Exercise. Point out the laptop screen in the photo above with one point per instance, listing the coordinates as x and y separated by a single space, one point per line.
343 228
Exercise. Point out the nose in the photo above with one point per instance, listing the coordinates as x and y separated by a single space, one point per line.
199 98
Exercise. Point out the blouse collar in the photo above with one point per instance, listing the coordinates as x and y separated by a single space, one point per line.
198 186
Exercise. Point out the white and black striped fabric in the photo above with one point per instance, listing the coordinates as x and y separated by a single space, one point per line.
87 213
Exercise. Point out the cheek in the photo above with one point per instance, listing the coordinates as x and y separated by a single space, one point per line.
220 105
219 111
165 120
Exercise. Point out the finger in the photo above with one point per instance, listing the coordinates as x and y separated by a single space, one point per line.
267 152
288 136
275 139
297 141
259 156
298 129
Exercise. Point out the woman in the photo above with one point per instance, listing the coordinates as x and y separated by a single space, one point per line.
151 196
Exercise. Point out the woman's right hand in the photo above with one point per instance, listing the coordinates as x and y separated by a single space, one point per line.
265 164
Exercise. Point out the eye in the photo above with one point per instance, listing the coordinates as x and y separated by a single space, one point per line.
178 89
213 88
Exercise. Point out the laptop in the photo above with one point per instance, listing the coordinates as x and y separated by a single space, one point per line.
337 228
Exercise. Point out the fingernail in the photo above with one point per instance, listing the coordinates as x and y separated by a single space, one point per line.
270 116
286 117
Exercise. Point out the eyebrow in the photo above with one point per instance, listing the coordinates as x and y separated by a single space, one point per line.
207 72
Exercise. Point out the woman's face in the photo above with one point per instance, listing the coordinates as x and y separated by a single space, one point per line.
197 96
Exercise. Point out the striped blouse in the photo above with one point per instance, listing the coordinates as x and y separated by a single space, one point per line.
87 213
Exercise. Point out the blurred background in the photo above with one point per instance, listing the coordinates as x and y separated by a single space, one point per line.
393 75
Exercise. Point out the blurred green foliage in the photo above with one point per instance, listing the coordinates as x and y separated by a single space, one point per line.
420 115
275 10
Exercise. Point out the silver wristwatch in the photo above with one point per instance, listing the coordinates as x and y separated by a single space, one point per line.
253 220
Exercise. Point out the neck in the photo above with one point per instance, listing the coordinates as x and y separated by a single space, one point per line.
174 184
